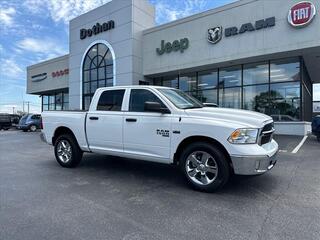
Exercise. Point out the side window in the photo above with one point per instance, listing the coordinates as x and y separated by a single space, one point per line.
111 100
139 96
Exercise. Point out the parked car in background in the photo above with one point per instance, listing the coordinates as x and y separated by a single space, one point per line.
15 118
5 121
316 127
30 122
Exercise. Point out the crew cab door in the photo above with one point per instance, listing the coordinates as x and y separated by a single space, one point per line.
104 124
146 133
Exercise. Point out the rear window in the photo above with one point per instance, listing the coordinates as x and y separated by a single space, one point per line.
110 100
35 117
24 117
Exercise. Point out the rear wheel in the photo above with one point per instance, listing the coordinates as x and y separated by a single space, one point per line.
33 128
68 153
318 138
205 166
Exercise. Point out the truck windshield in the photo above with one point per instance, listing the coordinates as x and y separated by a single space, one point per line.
180 99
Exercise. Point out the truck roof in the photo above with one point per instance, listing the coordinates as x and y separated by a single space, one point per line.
136 87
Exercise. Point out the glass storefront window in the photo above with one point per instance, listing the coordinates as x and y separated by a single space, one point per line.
208 96
45 99
270 87
57 101
188 82
207 79
171 81
255 73
230 97
256 98
230 77
97 68
285 101
285 70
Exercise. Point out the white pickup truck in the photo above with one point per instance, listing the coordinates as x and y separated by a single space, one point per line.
168 126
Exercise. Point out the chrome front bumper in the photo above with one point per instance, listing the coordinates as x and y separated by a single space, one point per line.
253 165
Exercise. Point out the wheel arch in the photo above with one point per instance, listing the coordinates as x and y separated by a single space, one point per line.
199 138
62 130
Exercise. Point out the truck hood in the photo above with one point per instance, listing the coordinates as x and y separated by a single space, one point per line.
242 118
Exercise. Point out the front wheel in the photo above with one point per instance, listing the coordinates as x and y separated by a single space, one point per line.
318 138
68 153
205 166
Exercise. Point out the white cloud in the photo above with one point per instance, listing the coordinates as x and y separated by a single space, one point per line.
11 69
44 48
7 16
166 13
62 10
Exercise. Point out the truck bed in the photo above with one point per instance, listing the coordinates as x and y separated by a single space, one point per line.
73 119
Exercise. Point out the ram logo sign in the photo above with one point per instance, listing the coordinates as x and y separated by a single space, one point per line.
301 14
214 34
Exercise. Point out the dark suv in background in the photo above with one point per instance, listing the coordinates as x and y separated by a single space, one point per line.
5 121
30 122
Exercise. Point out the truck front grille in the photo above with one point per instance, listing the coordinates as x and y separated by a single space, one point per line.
266 134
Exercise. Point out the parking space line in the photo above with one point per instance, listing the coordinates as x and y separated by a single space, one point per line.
300 144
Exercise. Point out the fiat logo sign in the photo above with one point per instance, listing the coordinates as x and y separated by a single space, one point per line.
301 14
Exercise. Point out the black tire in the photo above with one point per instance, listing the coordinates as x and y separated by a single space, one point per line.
25 130
33 128
76 152
5 129
318 138
221 163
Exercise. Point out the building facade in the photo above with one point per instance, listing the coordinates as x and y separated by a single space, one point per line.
258 55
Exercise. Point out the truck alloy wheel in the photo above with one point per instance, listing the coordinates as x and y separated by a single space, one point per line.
67 151
64 151
205 166
201 167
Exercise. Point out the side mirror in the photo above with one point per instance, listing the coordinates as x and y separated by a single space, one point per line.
210 105
155 107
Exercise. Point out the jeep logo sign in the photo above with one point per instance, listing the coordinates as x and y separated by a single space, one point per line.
301 14
176 45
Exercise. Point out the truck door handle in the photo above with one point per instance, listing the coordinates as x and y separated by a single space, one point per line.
93 118
131 119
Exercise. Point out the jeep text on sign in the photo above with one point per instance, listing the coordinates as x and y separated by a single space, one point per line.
301 14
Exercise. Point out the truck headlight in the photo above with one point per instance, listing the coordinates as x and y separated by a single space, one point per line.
243 136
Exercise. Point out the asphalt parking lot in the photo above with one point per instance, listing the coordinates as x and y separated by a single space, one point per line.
113 198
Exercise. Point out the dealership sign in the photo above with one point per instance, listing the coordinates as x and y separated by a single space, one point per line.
301 14
39 77
60 73
176 45
215 34
96 29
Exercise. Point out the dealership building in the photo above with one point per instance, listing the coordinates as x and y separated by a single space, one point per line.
259 55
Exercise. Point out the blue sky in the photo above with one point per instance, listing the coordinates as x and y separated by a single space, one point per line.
35 30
